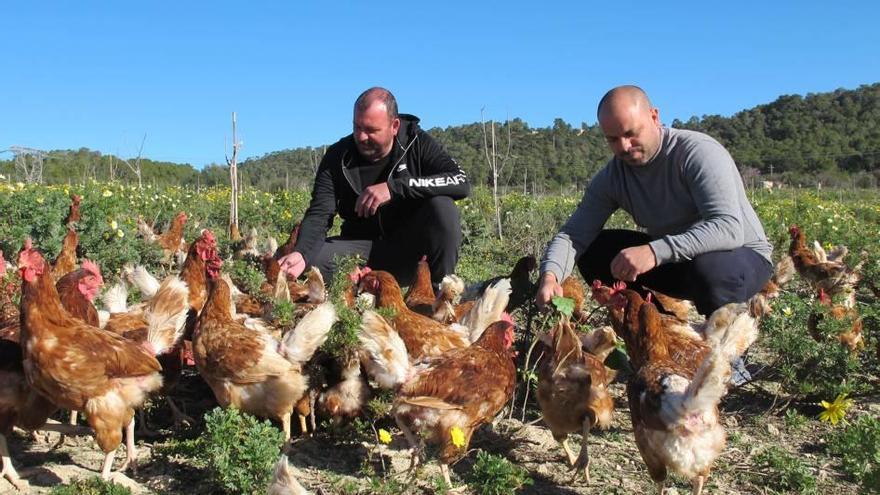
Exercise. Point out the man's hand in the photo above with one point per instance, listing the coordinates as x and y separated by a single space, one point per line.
293 264
632 262
371 199
547 290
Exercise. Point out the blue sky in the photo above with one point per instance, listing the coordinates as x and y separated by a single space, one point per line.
103 74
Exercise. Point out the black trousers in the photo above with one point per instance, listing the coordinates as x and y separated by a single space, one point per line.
710 280
432 229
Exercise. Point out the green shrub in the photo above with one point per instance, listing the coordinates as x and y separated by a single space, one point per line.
241 450
858 448
90 486
495 475
246 276
809 367
785 473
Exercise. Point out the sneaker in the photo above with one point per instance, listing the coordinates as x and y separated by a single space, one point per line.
739 375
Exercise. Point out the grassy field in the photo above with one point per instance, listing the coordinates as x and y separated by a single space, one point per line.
776 441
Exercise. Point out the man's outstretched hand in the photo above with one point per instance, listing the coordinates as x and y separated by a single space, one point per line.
548 289
371 199
293 264
632 262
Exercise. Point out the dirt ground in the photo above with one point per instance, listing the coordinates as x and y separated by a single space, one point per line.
326 462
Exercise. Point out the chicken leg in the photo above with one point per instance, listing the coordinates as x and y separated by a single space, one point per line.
8 471
415 443
697 484
583 458
568 452
130 449
180 418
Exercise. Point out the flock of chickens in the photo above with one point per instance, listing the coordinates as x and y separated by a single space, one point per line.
448 357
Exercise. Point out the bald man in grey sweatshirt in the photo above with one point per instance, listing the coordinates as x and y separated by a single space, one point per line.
701 238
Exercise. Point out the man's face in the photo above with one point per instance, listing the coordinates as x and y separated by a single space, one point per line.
632 132
374 131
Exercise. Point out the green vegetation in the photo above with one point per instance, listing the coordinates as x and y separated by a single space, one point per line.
237 450
90 486
785 473
495 475
858 449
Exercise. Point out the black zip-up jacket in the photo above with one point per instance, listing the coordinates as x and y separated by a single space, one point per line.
419 168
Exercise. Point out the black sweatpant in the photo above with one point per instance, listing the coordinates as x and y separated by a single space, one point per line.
432 229
710 280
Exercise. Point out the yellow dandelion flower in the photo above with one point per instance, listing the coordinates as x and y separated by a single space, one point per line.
107 193
787 311
113 225
40 200
457 436
119 233
384 436
835 411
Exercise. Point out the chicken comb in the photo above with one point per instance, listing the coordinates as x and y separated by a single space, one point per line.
618 286
28 244
75 198
208 236
91 267
650 298
597 284
424 257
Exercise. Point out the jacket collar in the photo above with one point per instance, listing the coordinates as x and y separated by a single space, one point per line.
406 137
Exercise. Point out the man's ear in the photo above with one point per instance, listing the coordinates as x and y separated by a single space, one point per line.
655 116
395 126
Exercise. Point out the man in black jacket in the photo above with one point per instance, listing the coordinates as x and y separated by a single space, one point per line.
394 187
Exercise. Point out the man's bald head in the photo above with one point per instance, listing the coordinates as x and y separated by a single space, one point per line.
631 124
624 96
377 95
375 123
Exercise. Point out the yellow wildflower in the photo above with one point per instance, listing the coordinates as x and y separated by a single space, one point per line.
457 436
119 233
107 193
787 311
835 411
40 200
113 225
384 436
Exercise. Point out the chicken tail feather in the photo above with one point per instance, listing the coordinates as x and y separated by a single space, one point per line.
309 334
166 315
488 308
383 352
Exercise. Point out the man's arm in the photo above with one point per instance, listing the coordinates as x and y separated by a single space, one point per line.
581 229
714 183
440 175
318 218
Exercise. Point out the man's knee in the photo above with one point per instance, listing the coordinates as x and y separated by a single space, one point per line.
728 277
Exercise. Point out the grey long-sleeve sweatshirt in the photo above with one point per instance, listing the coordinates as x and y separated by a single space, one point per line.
689 198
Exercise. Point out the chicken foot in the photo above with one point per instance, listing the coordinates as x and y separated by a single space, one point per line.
74 415
583 459
8 471
444 469
180 418
415 443
697 484
568 452
130 455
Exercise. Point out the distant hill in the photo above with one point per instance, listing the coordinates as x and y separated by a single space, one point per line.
832 137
